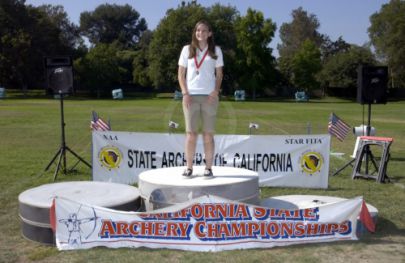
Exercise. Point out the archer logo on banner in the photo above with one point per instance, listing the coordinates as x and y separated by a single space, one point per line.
75 222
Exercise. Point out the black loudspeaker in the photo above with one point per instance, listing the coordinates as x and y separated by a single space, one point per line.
59 75
372 84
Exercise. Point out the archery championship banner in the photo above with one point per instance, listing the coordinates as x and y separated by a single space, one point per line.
280 160
208 223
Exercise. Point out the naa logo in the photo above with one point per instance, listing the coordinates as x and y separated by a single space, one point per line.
110 157
311 162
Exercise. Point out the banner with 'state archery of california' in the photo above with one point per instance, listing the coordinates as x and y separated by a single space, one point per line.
280 160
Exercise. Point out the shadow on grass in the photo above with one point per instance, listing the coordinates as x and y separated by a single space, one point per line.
397 159
385 227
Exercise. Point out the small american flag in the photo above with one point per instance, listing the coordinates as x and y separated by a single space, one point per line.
97 124
337 127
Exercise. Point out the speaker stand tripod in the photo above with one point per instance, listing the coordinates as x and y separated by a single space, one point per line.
61 153
367 154
344 166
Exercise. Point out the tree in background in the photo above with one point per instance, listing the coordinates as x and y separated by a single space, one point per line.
69 32
387 34
111 28
301 28
340 70
100 69
305 64
27 35
331 48
293 35
125 62
255 61
113 23
140 63
171 34
222 19
15 42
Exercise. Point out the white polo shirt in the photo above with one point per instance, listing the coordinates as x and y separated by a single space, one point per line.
202 83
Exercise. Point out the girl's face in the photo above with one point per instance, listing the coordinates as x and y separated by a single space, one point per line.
202 33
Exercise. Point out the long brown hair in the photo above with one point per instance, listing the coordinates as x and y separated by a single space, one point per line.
194 42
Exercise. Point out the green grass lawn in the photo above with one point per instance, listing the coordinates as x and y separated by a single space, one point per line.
30 136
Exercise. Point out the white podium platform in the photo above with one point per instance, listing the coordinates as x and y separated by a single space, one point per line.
308 201
35 203
161 188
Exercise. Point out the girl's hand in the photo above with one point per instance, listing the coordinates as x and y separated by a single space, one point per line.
187 100
213 96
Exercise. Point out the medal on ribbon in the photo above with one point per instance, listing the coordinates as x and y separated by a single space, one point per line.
198 64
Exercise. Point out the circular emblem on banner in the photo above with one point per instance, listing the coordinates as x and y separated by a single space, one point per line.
110 157
311 162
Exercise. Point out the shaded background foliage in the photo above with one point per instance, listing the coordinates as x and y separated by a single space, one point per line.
387 33
113 47
113 23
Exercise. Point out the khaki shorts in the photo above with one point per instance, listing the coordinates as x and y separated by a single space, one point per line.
200 108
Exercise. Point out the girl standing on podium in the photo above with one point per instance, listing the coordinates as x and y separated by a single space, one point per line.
200 77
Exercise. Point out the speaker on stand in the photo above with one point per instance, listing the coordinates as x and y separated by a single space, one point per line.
371 89
59 76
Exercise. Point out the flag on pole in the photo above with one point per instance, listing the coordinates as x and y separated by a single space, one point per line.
98 124
337 127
